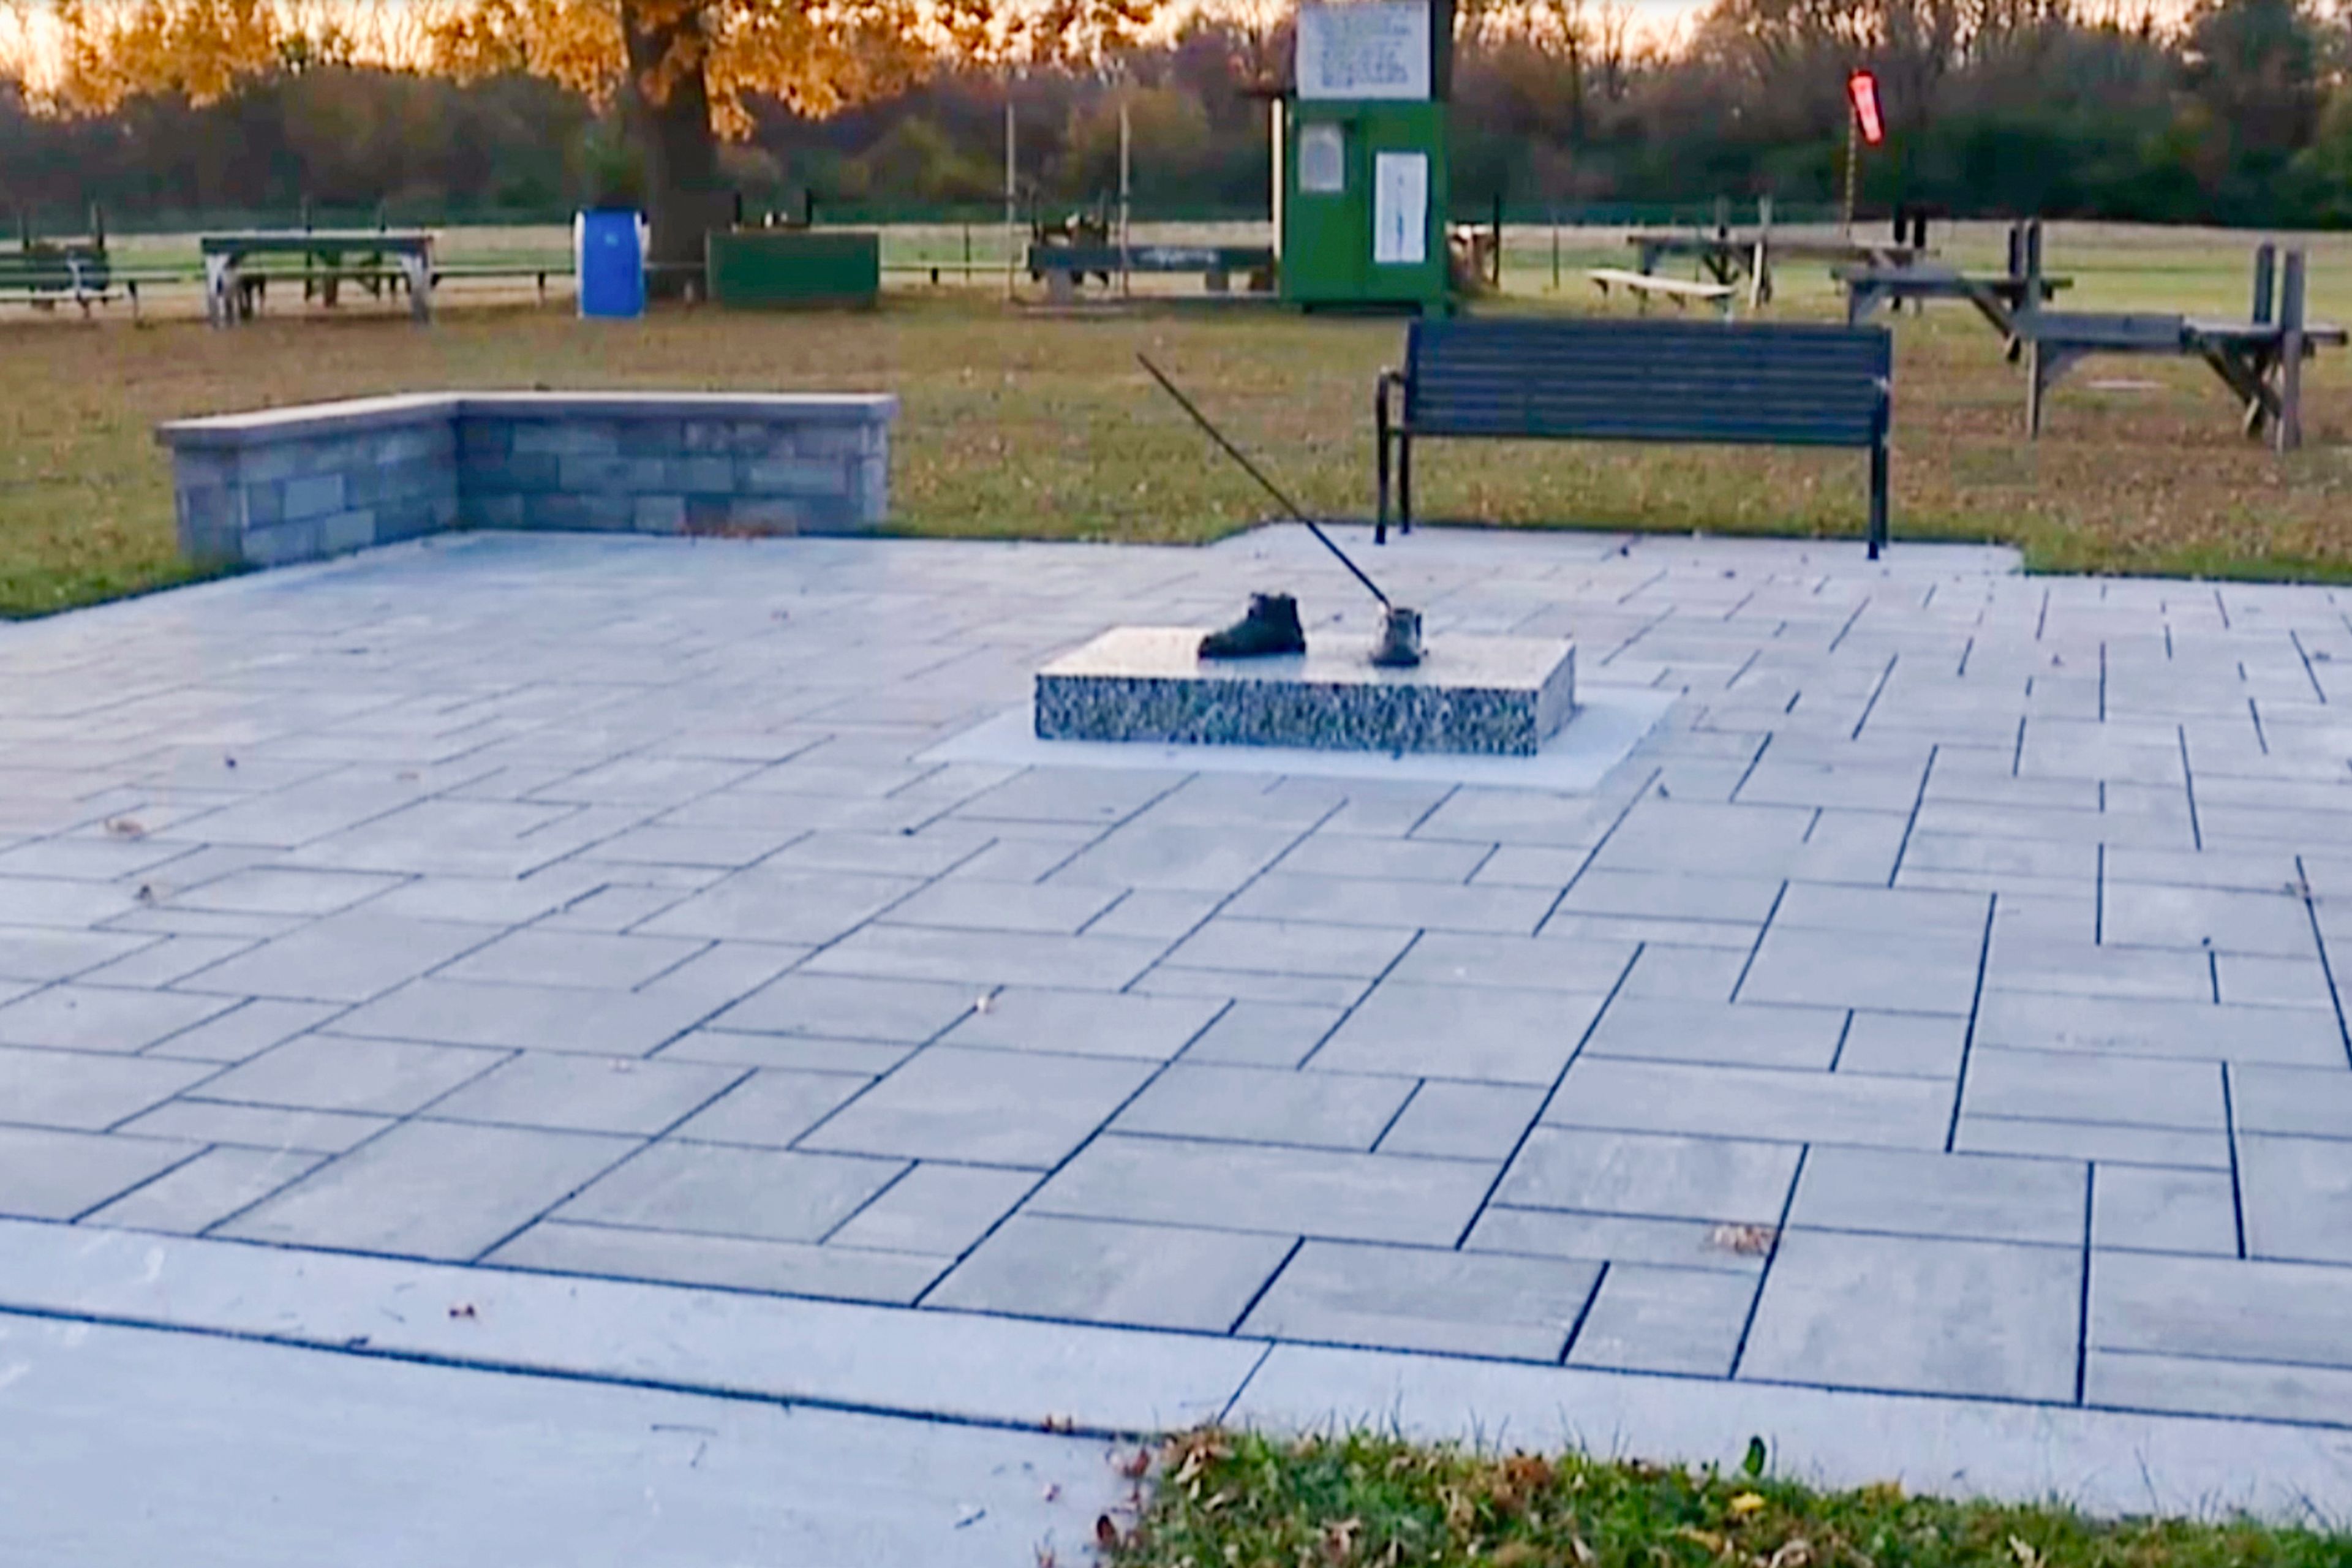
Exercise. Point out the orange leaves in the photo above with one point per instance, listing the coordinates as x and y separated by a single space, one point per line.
200 48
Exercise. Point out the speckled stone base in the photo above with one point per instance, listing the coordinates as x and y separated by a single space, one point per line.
1480 696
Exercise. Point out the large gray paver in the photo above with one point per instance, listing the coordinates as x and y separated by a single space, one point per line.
782 906
2155 1209
1452 958
1463 1121
770 1195
983 1107
89 1018
1064 908
2217 1334
1648 1318
1292 947
1178 858
989 958
431 1189
745 1263
1265 1034
2073 1086
1425 1299
207 1189
329 1072
586 1093
771 1108
2297 1194
1348 901
1924 1192
2291 1036
1086 1023
579 959
46 1174
1484 1034
1670 895
1256 1105
349 957
1754 1102
1902 1045
85 1090
1101 1272
257 1126
1899 969
1291 1192
936 1209
844 1008
1660 1030
1941 1316
1719 1180
2316 1102
546 1017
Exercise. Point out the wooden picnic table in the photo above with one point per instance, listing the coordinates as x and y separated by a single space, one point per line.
369 256
1726 255
2260 360
1062 267
1998 297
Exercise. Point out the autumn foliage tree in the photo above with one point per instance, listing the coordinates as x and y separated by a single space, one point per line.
684 71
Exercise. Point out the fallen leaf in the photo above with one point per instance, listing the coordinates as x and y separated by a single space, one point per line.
1796 1553
146 894
1747 1240
1060 1424
1583 1552
970 1515
1135 1464
1106 1533
2023 1550
1053 1490
126 828
1747 1503
1515 1555
464 1309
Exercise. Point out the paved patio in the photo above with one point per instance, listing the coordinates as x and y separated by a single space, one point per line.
1939 1002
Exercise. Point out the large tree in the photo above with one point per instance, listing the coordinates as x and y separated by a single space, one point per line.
684 71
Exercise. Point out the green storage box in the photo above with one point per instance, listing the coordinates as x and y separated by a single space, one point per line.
785 268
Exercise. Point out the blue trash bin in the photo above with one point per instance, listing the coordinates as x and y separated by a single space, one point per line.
609 250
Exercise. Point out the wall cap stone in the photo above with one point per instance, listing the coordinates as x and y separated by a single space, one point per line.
299 421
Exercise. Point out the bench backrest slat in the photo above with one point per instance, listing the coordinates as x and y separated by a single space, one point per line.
1774 384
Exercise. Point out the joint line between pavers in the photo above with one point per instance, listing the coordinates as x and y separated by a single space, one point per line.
2103 681
1349 1011
1966 648
1758 945
2083 1307
1771 1256
1226 1411
1583 1311
2253 712
1968 1036
1911 820
1234 1327
190 1159
1849 626
2099 895
2189 782
2326 964
1877 690
2304 653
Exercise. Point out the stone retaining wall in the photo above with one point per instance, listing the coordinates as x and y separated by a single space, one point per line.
295 484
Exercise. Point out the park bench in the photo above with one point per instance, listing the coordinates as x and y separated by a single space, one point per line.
1777 384
48 276
1645 285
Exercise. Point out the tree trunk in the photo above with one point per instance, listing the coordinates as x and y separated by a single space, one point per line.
684 197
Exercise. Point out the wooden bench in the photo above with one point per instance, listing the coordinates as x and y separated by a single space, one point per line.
49 276
1645 286
1777 384
1062 267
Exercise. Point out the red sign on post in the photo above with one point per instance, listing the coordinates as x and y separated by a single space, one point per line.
1862 88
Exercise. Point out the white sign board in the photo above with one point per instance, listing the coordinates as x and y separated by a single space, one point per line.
1322 159
1400 208
1371 48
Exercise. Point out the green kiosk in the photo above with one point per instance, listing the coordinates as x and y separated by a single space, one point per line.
1361 182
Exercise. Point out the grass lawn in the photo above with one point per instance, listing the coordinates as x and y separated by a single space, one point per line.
1227 1499
1022 423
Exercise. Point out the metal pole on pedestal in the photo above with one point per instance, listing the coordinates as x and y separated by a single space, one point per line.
1125 137
1011 194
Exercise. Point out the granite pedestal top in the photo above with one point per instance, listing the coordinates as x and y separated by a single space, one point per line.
1483 695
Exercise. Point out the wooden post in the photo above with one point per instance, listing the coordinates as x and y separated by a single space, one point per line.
2265 269
1126 136
1012 195
2289 433
1555 250
1759 268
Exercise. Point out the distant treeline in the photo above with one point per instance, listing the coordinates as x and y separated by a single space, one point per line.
2241 112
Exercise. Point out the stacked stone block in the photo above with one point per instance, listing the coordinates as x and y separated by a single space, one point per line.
298 484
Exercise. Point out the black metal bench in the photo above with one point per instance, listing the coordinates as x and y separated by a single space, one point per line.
1599 380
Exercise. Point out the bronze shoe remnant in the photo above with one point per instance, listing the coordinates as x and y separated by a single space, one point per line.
1400 644
1270 628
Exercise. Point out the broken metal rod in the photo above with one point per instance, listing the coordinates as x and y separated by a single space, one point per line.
1268 485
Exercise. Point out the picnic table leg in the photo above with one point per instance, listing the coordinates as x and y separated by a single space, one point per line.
1878 496
2035 385
417 270
2291 349
2248 375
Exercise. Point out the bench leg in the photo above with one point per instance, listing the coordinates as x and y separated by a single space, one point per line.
1380 462
1877 499
1404 482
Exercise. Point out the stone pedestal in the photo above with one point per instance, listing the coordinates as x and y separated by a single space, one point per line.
1477 695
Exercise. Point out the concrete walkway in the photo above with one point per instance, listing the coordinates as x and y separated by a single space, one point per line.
1937 1004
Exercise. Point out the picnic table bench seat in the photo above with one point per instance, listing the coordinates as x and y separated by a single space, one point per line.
1783 384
